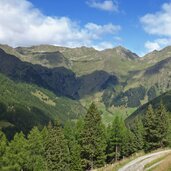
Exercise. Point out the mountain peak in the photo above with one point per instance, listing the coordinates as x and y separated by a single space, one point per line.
123 52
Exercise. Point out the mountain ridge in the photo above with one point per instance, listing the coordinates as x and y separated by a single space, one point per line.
115 78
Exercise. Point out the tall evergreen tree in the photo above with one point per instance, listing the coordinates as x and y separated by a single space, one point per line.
74 147
79 128
128 143
156 127
138 130
56 149
131 143
125 143
121 141
150 129
36 150
93 141
162 125
115 140
17 155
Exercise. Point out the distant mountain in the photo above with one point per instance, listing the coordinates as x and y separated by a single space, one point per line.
61 81
157 56
115 78
81 60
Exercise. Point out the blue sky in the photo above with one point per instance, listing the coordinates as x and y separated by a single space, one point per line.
140 26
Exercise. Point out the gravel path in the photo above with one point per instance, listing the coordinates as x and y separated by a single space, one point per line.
139 163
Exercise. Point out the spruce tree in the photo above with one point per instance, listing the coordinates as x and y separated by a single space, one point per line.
150 129
93 141
156 128
36 150
56 149
162 125
74 147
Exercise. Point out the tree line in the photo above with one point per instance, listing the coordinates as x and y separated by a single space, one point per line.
85 144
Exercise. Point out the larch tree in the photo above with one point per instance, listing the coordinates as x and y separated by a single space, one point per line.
116 135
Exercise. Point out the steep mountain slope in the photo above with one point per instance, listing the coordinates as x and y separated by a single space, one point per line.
114 78
60 80
23 105
80 60
157 56
155 79
164 98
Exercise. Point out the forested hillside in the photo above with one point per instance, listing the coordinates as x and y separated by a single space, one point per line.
86 144
116 78
164 98
23 106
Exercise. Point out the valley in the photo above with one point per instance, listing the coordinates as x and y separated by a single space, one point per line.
117 79
85 85
42 84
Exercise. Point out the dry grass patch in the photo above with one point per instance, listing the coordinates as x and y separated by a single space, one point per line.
165 165
43 97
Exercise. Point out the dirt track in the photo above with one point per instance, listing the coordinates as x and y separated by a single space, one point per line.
139 163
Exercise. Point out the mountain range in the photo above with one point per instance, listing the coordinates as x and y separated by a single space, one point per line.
117 80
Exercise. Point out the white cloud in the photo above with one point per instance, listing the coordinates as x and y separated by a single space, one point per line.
107 5
158 24
157 44
21 24
103 45
151 46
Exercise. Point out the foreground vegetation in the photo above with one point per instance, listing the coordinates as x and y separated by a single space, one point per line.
85 144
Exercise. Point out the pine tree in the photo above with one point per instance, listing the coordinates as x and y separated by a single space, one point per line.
74 147
17 155
36 150
56 149
3 146
93 141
